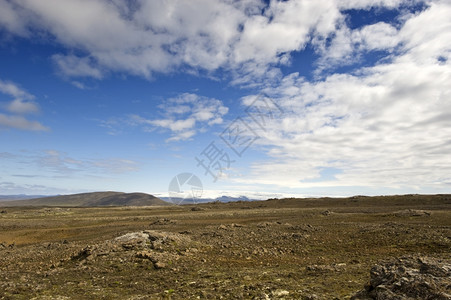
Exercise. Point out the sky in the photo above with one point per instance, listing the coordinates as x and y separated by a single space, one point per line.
257 98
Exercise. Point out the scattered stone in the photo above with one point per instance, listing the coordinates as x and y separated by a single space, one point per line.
311 297
428 266
306 228
326 213
280 293
159 265
164 221
295 235
155 240
133 236
267 224
83 253
236 225
3 212
196 208
54 297
408 278
412 213
320 268
145 255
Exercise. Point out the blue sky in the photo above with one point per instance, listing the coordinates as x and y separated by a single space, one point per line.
274 98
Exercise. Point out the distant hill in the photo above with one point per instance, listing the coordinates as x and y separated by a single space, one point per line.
91 199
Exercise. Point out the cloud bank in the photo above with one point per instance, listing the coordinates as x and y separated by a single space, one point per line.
385 125
246 38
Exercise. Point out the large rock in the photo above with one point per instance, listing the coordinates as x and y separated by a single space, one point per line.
409 278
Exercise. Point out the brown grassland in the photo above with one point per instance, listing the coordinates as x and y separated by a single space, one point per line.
274 249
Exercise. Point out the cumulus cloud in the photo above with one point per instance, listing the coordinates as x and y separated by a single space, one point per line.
12 18
348 47
250 39
185 115
144 37
386 125
366 4
22 104
71 65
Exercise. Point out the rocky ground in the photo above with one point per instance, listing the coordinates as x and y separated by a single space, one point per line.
263 250
409 278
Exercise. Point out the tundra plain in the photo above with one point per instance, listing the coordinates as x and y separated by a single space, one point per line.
276 249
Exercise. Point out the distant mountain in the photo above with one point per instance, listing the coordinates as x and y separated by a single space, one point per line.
91 199
229 199
205 200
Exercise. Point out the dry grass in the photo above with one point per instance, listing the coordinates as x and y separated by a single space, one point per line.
239 250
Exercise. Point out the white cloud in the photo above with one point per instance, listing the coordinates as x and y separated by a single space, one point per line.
347 47
23 103
13 90
20 106
11 188
174 125
79 85
185 115
143 37
379 36
71 65
58 162
115 165
61 163
19 122
426 36
249 38
413 33
59 172
284 27
383 126
366 4
12 18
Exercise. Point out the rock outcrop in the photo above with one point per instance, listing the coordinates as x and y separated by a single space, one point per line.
409 278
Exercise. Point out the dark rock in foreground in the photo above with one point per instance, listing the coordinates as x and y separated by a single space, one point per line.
409 278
